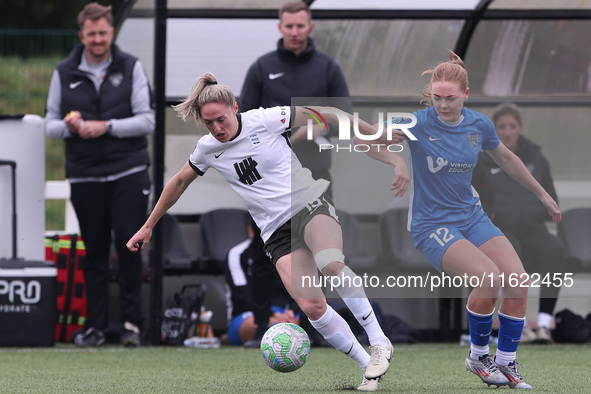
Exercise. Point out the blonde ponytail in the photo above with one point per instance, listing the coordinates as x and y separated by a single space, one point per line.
205 90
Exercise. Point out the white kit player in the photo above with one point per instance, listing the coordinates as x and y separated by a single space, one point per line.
297 220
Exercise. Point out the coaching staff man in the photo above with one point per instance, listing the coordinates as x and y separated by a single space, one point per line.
99 102
297 70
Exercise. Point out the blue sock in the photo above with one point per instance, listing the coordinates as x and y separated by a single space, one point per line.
509 332
480 327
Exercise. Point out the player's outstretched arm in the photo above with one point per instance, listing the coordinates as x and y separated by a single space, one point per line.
513 166
303 114
170 195
378 132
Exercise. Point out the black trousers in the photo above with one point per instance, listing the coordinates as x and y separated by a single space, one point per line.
263 273
541 253
104 209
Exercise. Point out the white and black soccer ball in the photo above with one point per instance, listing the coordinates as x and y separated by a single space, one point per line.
285 347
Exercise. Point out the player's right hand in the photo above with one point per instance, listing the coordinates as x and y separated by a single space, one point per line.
398 136
140 240
401 178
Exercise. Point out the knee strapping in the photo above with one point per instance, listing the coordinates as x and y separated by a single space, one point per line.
327 256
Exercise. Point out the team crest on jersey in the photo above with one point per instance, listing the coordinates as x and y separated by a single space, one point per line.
116 79
473 139
254 138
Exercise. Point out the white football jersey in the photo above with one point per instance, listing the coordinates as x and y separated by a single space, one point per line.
260 166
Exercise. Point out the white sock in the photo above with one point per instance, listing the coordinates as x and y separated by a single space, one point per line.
356 300
505 358
338 333
544 320
478 351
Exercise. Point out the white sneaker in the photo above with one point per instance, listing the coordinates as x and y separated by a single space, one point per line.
513 375
380 360
543 335
369 384
528 335
487 370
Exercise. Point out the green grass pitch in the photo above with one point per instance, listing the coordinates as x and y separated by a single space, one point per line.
420 368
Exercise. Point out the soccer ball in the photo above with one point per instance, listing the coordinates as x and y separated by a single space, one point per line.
285 347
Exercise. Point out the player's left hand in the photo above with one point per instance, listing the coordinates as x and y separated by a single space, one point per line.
553 209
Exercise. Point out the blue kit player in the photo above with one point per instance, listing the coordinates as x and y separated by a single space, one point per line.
449 227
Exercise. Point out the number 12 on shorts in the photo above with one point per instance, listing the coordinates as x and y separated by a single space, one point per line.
442 236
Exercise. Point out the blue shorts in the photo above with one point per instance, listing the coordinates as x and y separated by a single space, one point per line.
236 322
433 242
234 327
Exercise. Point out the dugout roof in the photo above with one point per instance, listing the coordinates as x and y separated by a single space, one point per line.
511 47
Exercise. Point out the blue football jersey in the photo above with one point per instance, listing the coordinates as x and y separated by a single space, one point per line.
441 160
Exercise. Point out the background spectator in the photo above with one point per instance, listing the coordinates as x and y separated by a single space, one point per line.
239 295
99 102
520 215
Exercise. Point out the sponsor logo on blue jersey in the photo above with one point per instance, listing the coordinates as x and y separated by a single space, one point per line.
440 162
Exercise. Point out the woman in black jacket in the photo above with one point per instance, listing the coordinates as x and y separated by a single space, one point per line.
521 217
